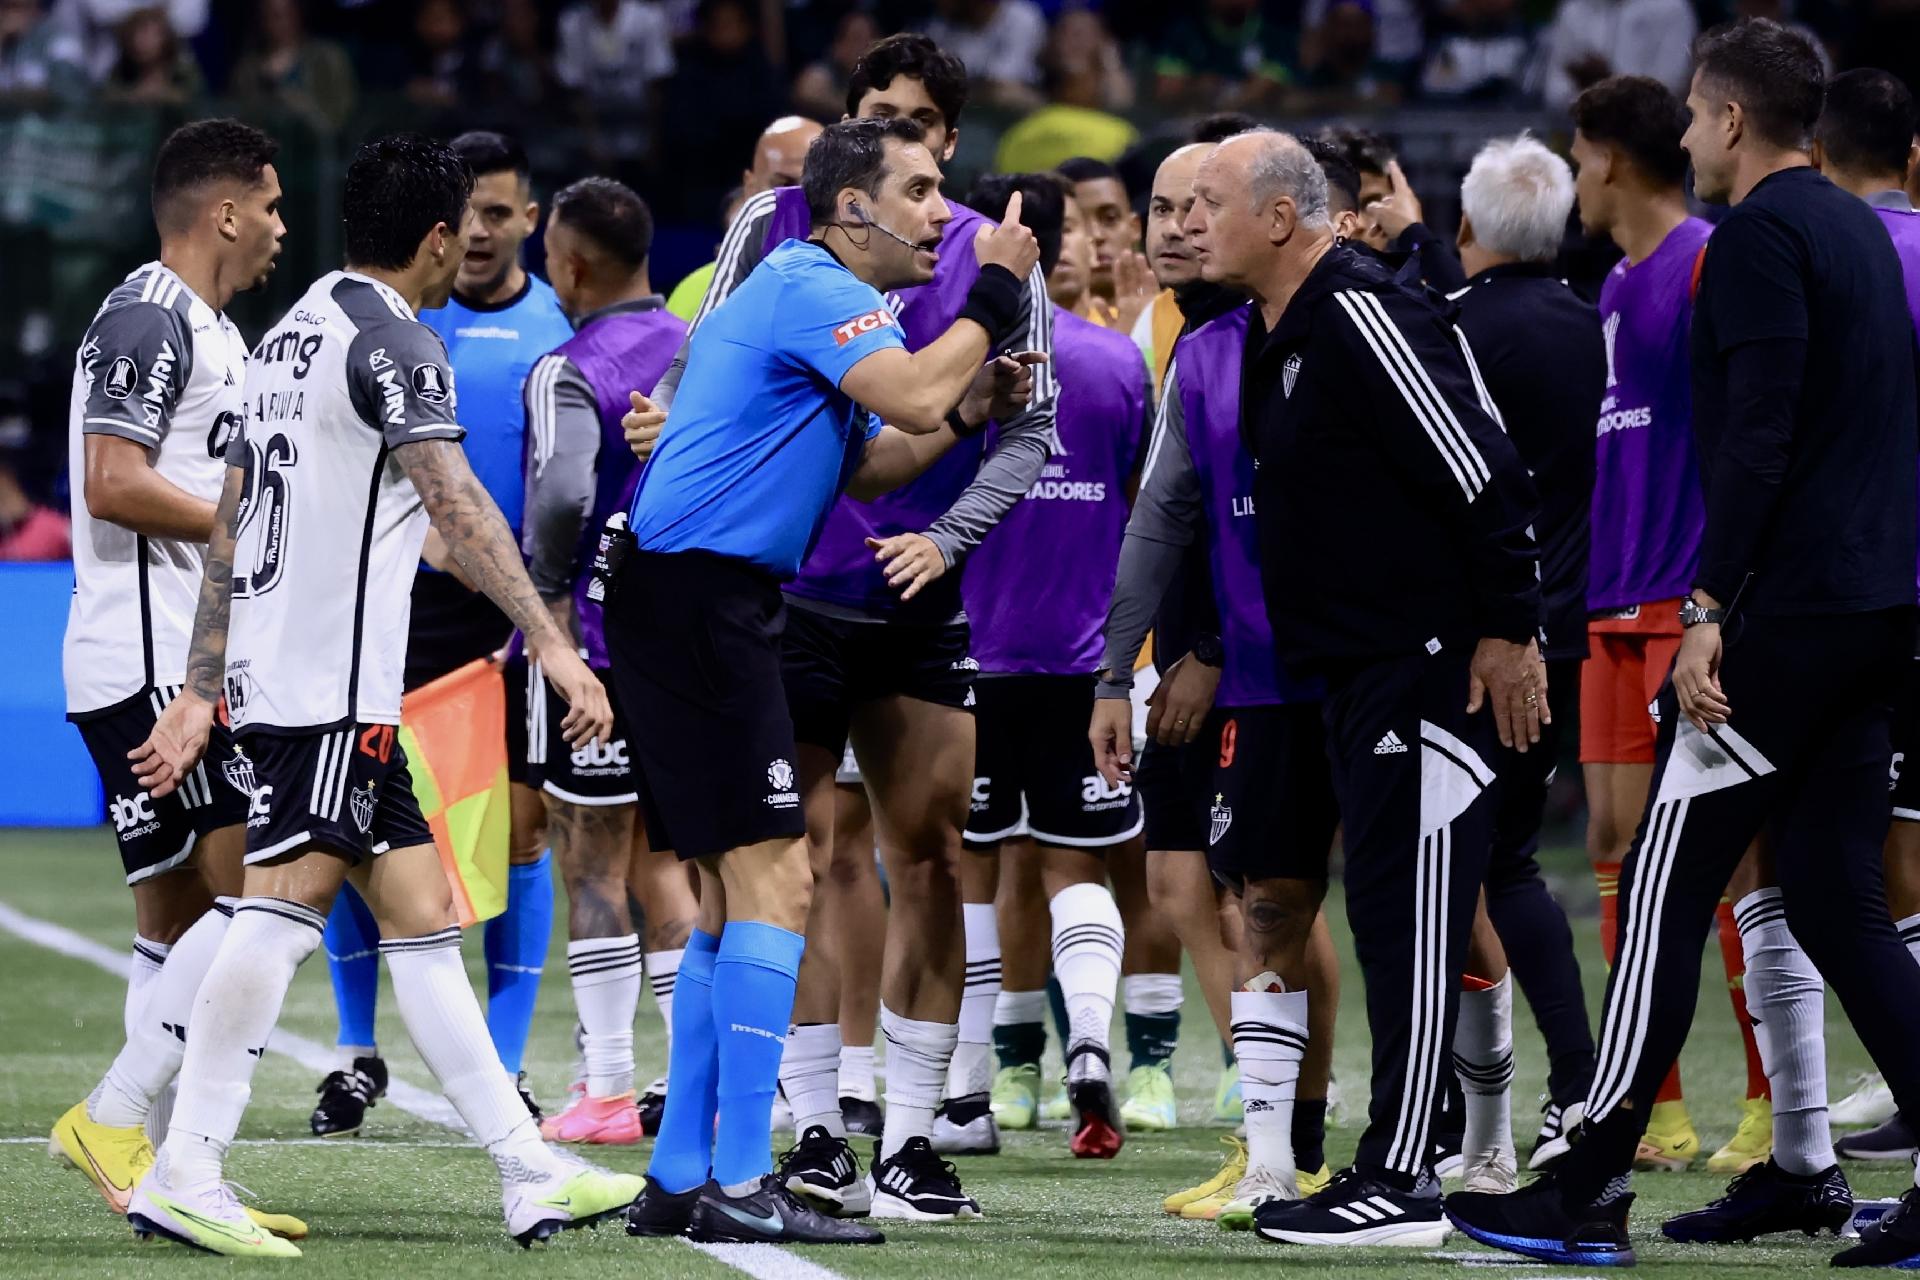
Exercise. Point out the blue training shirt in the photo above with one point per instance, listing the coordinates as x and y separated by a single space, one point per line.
760 439
491 349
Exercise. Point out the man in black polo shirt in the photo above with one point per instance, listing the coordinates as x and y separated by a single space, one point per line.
1798 631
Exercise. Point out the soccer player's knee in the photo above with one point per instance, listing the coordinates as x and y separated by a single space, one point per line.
1279 919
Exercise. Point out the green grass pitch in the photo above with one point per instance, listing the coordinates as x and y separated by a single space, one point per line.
409 1200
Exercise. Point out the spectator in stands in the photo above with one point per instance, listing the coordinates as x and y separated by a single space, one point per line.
517 59
716 105
1339 69
1000 41
1593 39
29 529
821 89
96 25
153 66
613 52
445 65
1086 80
37 59
285 67
1480 52
1231 56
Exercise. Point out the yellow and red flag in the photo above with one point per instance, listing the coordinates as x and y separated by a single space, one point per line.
454 732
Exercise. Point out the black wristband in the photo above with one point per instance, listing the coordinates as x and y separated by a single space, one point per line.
960 426
996 302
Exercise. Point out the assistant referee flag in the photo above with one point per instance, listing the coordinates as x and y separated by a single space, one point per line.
454 733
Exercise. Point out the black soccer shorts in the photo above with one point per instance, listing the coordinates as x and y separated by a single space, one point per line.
1273 813
1904 773
598 773
831 665
348 790
1033 767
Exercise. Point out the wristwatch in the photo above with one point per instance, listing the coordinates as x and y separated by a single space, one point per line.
1208 651
1693 613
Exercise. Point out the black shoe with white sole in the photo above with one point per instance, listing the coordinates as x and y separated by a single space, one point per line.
345 1097
770 1214
863 1116
662 1213
1890 1142
822 1170
1558 1127
917 1185
1358 1208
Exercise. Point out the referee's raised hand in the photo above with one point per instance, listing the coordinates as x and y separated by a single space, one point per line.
1008 245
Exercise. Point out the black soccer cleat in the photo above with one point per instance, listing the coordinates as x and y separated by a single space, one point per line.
1891 1142
917 1185
1098 1131
662 1213
526 1096
1767 1199
651 1105
1891 1241
345 1097
1537 1222
770 1214
863 1116
822 1170
1358 1208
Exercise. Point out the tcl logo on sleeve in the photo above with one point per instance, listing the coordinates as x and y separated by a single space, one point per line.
878 318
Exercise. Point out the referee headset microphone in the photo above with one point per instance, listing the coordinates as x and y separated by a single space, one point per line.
930 245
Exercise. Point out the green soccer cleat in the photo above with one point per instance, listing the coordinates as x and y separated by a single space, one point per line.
1150 1102
1016 1096
1055 1106
210 1219
574 1195
1227 1107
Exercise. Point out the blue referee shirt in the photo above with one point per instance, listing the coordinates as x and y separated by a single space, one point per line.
491 349
760 439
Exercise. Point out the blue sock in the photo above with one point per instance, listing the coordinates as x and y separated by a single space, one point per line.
516 946
352 940
683 1150
753 982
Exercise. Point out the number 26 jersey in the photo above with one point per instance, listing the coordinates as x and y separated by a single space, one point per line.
330 525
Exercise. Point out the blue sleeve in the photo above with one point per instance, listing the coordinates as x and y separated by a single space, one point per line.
873 425
830 320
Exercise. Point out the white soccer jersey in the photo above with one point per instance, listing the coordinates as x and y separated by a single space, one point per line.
161 368
331 527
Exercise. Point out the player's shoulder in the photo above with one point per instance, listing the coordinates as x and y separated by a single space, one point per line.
150 299
365 304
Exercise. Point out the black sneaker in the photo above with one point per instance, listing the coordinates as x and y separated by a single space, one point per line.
770 1214
662 1213
651 1105
526 1096
1766 1199
1358 1208
1558 1127
821 1168
1891 1241
1537 1222
345 1097
916 1184
1887 1143
863 1117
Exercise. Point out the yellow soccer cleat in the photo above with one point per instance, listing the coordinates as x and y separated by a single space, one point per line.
1669 1144
1053 1102
573 1194
1232 1169
284 1225
114 1159
1752 1142
209 1219
1150 1102
1310 1183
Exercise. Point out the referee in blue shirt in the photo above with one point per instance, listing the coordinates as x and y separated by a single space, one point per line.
780 409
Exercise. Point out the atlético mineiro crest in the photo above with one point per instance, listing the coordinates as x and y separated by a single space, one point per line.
1219 818
360 801
1289 374
239 773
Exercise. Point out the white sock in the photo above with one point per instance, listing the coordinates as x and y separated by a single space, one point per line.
606 992
856 1072
1910 934
917 1058
810 1077
1787 1001
1270 1040
447 1028
1013 1008
1153 994
1483 1060
1088 939
663 970
233 1015
150 1059
972 1068
148 958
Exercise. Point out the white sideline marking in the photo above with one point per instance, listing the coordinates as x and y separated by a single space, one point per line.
761 1261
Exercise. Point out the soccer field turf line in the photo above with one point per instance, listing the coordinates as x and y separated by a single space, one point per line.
401 1197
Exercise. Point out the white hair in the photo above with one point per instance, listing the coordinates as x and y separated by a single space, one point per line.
1518 195
1282 167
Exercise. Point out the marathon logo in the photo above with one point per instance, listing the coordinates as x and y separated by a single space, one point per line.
878 318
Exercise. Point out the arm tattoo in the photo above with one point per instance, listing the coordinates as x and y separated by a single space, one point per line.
207 657
475 533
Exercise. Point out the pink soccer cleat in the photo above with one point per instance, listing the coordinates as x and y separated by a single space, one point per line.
608 1122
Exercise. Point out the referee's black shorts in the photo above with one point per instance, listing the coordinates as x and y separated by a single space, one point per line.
694 639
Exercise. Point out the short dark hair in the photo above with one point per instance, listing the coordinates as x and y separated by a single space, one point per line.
209 151
1087 169
1773 72
1366 151
1640 116
852 153
488 152
1043 207
398 189
918 58
1222 125
1868 122
1343 180
609 213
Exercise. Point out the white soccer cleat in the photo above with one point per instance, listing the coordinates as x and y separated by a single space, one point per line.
1870 1104
566 1194
209 1218
1258 1186
1491 1173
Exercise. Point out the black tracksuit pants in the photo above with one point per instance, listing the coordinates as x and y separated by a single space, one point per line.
1412 774
1803 757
